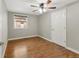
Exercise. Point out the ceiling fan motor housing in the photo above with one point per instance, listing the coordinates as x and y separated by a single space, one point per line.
42 5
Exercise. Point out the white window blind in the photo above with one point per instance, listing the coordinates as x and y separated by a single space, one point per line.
20 22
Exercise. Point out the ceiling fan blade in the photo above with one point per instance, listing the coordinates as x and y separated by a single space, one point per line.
49 1
34 10
33 6
51 7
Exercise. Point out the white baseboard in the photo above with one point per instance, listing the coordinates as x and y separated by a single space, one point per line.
52 41
22 37
71 49
5 46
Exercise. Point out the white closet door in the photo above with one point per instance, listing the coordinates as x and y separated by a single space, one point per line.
58 27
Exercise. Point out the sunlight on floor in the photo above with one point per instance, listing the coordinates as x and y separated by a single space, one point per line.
20 51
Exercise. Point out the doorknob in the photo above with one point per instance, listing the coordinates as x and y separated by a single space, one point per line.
1 43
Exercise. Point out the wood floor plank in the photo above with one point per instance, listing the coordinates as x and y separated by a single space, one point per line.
36 47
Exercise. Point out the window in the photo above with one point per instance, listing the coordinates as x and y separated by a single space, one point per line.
20 22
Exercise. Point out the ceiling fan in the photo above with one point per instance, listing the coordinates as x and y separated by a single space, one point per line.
44 6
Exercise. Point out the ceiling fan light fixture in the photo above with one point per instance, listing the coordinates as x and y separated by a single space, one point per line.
44 10
40 11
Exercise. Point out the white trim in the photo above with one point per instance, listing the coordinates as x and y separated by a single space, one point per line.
52 41
5 46
71 49
22 37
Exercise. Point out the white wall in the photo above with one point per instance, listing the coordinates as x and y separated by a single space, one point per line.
0 20
0 26
73 26
3 25
23 33
44 26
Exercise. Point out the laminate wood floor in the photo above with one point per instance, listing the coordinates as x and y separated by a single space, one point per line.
36 47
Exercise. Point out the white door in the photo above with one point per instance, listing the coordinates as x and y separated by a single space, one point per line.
58 27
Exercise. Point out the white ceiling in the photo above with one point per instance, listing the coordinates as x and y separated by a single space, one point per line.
23 6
